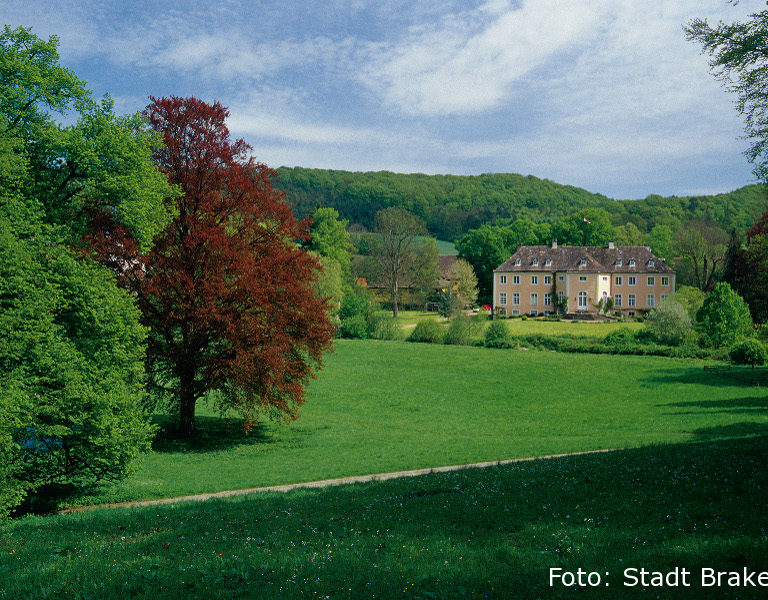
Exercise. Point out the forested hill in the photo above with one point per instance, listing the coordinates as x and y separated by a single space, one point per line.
453 204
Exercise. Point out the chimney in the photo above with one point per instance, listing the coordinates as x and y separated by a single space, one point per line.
554 244
610 245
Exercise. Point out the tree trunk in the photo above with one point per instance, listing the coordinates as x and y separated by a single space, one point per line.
394 300
186 405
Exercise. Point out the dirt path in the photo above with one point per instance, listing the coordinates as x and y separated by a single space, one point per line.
331 482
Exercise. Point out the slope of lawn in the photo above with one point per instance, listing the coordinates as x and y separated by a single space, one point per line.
389 406
490 533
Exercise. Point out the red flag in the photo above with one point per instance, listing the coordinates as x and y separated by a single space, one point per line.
586 220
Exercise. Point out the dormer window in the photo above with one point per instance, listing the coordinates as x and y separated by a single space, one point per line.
583 262
617 262
548 262
650 263
631 262
535 262
517 262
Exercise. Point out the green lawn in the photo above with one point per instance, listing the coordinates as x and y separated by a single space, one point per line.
492 533
387 406
596 329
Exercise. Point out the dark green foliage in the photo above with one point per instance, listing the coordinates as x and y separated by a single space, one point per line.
724 317
452 205
450 303
670 323
749 352
427 331
619 337
497 335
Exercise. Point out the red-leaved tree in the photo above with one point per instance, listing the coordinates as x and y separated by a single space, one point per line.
226 289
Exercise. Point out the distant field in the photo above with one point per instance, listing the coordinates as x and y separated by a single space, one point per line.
387 406
446 247
492 533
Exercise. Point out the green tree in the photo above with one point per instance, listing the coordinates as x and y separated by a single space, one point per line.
739 60
588 227
702 244
724 317
691 298
71 344
329 237
484 249
628 235
660 241
465 284
329 281
670 323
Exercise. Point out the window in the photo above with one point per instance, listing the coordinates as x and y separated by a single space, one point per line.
548 262
665 280
650 300
517 262
605 278
617 300
651 280
560 294
516 299
617 262
650 263
501 312
582 301
534 280
535 262
515 312
516 279
582 277
631 262
502 279
631 313
662 298
583 262
618 280
502 298
534 299
631 300
547 299
534 313
561 277
631 281
547 279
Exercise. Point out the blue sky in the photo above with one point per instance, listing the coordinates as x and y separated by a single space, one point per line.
602 94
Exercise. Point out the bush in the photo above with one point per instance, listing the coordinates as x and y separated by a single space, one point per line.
460 331
670 323
618 337
497 336
383 327
428 331
749 352
724 317
354 327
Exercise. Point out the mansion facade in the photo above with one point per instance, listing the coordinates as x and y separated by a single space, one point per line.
535 278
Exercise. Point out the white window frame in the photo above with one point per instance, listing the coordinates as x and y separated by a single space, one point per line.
665 280
617 300
582 305
534 299
561 277
547 279
502 279
582 278
651 280
502 298
631 300
618 280
548 299
631 280
534 280
516 299
515 279
650 300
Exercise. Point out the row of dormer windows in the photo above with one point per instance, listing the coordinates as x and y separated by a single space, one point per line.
618 280
582 262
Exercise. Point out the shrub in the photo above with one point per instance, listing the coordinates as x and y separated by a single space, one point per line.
670 323
724 317
749 352
497 336
383 327
428 331
354 327
459 331
450 304
620 336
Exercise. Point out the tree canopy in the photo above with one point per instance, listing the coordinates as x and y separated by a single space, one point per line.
227 290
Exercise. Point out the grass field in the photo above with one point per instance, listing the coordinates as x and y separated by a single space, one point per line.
492 533
388 406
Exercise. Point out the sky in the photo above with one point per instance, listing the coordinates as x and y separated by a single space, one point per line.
602 94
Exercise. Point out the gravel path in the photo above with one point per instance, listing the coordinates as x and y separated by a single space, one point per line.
331 482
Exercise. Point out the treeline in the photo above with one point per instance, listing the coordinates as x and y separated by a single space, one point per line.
451 205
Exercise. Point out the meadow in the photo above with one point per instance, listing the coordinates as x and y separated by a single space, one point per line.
490 533
390 406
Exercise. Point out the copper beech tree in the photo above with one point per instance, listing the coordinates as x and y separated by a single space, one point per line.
226 289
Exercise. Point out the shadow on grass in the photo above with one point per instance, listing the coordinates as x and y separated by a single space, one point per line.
746 405
734 430
212 434
719 376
